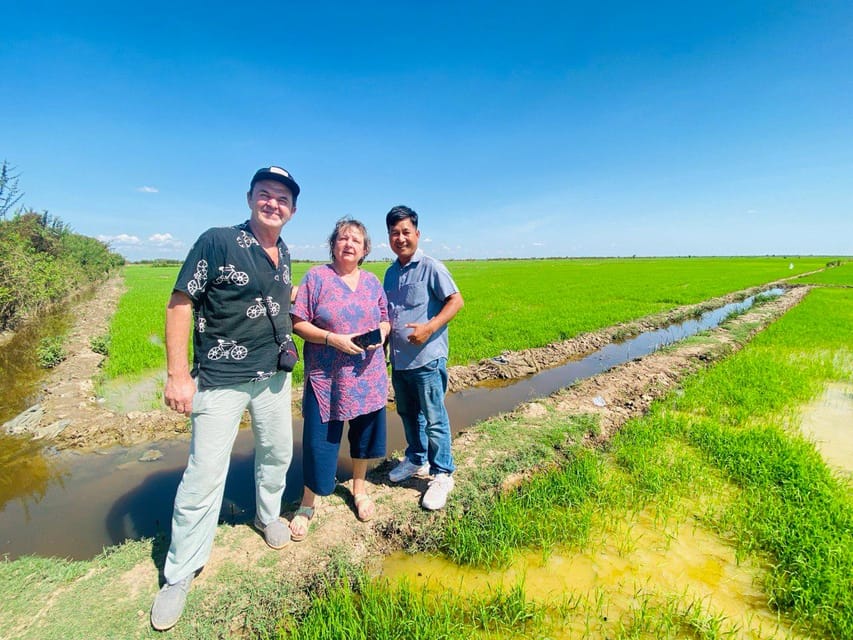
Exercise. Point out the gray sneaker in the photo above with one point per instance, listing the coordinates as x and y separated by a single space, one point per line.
169 603
436 494
406 469
276 533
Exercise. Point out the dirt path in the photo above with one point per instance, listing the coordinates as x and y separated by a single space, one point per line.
69 393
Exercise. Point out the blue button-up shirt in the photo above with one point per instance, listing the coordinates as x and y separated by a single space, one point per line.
416 293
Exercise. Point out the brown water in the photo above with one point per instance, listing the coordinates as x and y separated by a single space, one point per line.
20 374
636 564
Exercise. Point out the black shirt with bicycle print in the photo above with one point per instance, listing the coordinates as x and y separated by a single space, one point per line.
237 295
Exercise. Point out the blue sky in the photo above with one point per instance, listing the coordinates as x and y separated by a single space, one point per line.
515 129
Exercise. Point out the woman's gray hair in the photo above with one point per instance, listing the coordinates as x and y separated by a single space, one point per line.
345 223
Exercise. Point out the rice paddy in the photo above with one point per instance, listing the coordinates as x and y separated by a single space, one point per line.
722 453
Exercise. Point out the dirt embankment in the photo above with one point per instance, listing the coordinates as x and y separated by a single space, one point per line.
69 400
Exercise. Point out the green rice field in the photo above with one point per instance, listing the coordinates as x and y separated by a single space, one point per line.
724 444
509 304
721 454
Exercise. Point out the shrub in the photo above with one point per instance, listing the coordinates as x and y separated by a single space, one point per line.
50 352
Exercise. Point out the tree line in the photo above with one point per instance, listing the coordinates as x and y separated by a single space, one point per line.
42 261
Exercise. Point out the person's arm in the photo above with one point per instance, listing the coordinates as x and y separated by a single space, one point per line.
180 387
421 331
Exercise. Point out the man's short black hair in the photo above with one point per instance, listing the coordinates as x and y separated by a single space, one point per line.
401 212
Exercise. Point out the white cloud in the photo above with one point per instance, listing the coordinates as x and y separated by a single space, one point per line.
164 241
148 189
122 239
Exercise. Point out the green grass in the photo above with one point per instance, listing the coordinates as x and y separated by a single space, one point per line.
724 442
509 304
519 304
137 329
837 273
365 609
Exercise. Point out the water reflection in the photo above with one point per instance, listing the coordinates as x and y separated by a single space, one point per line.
27 473
19 371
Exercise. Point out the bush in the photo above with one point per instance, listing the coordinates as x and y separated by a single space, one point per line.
42 261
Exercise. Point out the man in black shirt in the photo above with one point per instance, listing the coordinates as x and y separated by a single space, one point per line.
234 290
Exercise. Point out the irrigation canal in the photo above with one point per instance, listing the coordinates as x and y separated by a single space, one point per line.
73 505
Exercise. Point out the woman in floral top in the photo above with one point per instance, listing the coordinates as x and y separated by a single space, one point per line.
343 382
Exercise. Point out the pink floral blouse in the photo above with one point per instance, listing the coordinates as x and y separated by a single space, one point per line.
346 386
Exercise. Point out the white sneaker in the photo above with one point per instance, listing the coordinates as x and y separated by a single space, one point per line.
436 495
406 469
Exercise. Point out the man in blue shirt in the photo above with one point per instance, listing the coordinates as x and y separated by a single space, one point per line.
422 299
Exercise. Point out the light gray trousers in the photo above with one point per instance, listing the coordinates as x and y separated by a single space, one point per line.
215 421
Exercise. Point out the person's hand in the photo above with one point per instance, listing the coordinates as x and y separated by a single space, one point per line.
178 393
420 332
343 342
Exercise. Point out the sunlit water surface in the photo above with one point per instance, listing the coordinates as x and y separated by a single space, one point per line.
638 561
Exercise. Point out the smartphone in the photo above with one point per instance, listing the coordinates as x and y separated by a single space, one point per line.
367 339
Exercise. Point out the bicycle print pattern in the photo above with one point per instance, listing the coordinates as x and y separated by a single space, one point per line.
199 281
246 240
228 349
229 274
260 308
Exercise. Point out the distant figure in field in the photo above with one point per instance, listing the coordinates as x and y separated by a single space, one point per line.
234 289
422 299
345 376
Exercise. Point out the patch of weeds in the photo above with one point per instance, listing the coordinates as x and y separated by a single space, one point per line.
374 609
51 351
100 344
555 506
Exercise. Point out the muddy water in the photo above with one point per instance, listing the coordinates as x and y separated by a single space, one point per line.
19 371
828 422
638 561
104 499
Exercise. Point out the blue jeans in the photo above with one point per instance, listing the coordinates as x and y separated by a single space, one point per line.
419 394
